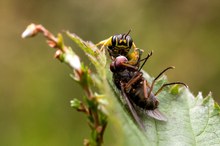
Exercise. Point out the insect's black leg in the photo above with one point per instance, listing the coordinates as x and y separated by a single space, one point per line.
131 108
152 85
168 84
148 55
145 60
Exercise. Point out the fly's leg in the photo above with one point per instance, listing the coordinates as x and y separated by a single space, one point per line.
152 85
145 59
129 67
138 74
168 84
145 88
164 85
133 80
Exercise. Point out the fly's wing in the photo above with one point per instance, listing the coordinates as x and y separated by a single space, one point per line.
156 114
132 110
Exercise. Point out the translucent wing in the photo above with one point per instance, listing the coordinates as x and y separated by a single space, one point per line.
156 114
132 110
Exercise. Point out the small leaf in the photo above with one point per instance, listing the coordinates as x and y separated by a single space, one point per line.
174 89
60 42
75 103
82 44
98 58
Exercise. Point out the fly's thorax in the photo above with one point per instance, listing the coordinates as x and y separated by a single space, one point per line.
122 77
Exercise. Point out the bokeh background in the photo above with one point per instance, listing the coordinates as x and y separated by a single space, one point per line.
35 89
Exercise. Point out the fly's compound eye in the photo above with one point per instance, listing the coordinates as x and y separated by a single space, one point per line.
129 41
117 64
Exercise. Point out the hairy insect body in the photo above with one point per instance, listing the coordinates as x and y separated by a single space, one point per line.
136 90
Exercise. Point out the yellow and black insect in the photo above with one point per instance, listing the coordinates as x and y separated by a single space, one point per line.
121 44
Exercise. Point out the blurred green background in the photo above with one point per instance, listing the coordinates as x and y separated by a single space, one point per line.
35 89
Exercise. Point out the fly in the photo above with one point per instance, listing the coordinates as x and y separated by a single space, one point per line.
136 90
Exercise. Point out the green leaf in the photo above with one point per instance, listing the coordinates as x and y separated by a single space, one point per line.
191 120
75 103
97 58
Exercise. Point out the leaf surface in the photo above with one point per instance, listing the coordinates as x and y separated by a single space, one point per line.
191 120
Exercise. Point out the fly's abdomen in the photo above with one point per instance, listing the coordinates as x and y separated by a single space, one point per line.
143 101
